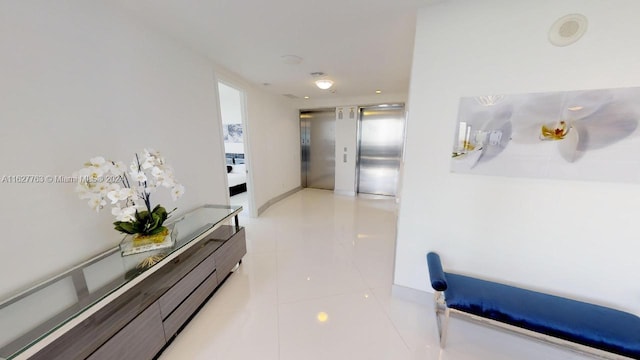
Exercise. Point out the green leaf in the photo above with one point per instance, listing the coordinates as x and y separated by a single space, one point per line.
146 223
142 216
125 227
157 230
156 221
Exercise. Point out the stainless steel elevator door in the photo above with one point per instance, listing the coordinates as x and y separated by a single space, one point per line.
380 152
317 140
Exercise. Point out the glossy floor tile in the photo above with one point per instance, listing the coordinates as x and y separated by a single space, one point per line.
316 285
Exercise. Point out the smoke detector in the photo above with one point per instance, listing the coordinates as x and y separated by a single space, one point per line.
568 29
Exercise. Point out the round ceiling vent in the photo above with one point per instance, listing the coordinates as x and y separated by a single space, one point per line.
568 29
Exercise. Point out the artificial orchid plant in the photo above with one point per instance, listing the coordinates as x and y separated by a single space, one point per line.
129 192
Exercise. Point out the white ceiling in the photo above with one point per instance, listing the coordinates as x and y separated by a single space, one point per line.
362 45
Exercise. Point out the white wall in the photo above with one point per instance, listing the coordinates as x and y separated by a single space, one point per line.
79 80
271 139
568 237
231 112
346 144
231 105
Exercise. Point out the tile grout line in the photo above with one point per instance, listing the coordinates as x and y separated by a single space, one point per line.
388 316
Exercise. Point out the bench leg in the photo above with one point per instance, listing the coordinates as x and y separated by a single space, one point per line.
442 318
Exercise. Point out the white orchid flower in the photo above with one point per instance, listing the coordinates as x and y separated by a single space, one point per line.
113 196
151 153
96 202
177 191
148 163
155 156
97 161
114 186
102 188
124 214
157 172
95 173
90 173
167 182
120 195
147 174
118 168
83 191
138 176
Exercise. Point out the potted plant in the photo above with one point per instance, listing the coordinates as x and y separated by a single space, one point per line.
129 193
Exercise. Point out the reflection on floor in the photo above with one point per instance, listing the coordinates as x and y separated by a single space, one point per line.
241 199
316 285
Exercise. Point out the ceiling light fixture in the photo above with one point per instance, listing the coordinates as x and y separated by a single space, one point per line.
378 91
322 82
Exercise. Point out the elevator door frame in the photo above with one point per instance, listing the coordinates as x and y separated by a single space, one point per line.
359 144
305 143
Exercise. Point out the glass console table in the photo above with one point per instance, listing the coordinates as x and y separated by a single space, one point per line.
37 316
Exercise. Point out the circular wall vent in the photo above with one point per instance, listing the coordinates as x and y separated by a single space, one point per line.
568 29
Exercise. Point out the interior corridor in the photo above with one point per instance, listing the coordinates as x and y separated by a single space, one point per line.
316 285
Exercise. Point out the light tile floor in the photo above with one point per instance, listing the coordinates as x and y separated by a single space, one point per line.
316 285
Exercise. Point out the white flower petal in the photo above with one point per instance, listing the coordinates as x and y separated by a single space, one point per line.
148 163
138 176
177 191
157 172
118 168
97 161
97 202
113 196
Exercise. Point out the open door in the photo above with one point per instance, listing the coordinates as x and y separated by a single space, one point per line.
232 115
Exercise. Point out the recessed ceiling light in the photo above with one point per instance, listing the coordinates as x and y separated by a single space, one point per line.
291 59
306 97
324 84
378 91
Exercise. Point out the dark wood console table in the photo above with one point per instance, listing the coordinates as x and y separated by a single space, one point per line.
105 308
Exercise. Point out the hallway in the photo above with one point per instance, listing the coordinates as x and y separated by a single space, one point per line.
316 285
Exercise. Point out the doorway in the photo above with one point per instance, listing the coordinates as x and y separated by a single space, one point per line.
232 116
381 139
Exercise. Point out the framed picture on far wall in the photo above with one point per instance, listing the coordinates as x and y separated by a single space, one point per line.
232 133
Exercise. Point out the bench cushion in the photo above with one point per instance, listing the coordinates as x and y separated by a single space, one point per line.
592 325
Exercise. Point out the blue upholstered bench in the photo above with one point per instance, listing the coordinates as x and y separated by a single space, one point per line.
583 327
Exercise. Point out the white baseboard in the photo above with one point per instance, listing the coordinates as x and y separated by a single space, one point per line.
266 205
344 192
413 295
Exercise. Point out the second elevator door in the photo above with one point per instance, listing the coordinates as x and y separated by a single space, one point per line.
318 139
380 150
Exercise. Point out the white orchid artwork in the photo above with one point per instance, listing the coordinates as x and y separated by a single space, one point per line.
573 135
128 191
